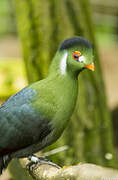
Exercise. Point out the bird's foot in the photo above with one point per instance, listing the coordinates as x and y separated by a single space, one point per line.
35 161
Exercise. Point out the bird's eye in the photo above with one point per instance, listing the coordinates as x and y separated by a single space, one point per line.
76 55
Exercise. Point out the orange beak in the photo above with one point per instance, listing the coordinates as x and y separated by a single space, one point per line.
90 66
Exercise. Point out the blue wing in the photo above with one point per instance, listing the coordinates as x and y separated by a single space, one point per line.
20 125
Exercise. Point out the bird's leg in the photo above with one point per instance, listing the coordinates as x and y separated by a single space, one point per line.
35 161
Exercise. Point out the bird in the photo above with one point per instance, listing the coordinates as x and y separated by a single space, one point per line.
37 115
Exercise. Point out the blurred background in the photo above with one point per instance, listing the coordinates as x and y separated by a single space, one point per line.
105 18
13 76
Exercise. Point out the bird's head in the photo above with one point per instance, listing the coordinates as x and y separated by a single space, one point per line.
76 55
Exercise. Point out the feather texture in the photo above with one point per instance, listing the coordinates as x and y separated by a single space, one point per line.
36 116
20 125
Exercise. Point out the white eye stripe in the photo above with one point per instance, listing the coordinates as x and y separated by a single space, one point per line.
82 59
63 63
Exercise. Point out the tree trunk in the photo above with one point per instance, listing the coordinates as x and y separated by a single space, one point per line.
42 26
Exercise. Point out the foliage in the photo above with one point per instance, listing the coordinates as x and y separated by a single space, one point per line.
12 77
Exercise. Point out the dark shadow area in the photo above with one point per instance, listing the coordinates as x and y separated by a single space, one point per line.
115 125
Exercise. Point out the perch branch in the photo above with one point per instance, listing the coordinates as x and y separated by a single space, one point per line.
79 172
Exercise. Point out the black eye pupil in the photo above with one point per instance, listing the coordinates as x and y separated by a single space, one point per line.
76 56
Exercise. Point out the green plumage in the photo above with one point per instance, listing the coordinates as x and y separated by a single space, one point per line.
36 116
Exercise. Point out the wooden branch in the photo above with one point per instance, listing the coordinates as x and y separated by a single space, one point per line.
79 172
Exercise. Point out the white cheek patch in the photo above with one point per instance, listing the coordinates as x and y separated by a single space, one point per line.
63 63
82 59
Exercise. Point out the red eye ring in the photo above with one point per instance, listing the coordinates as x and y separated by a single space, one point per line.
76 54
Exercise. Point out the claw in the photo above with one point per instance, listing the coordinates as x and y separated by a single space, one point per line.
34 161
